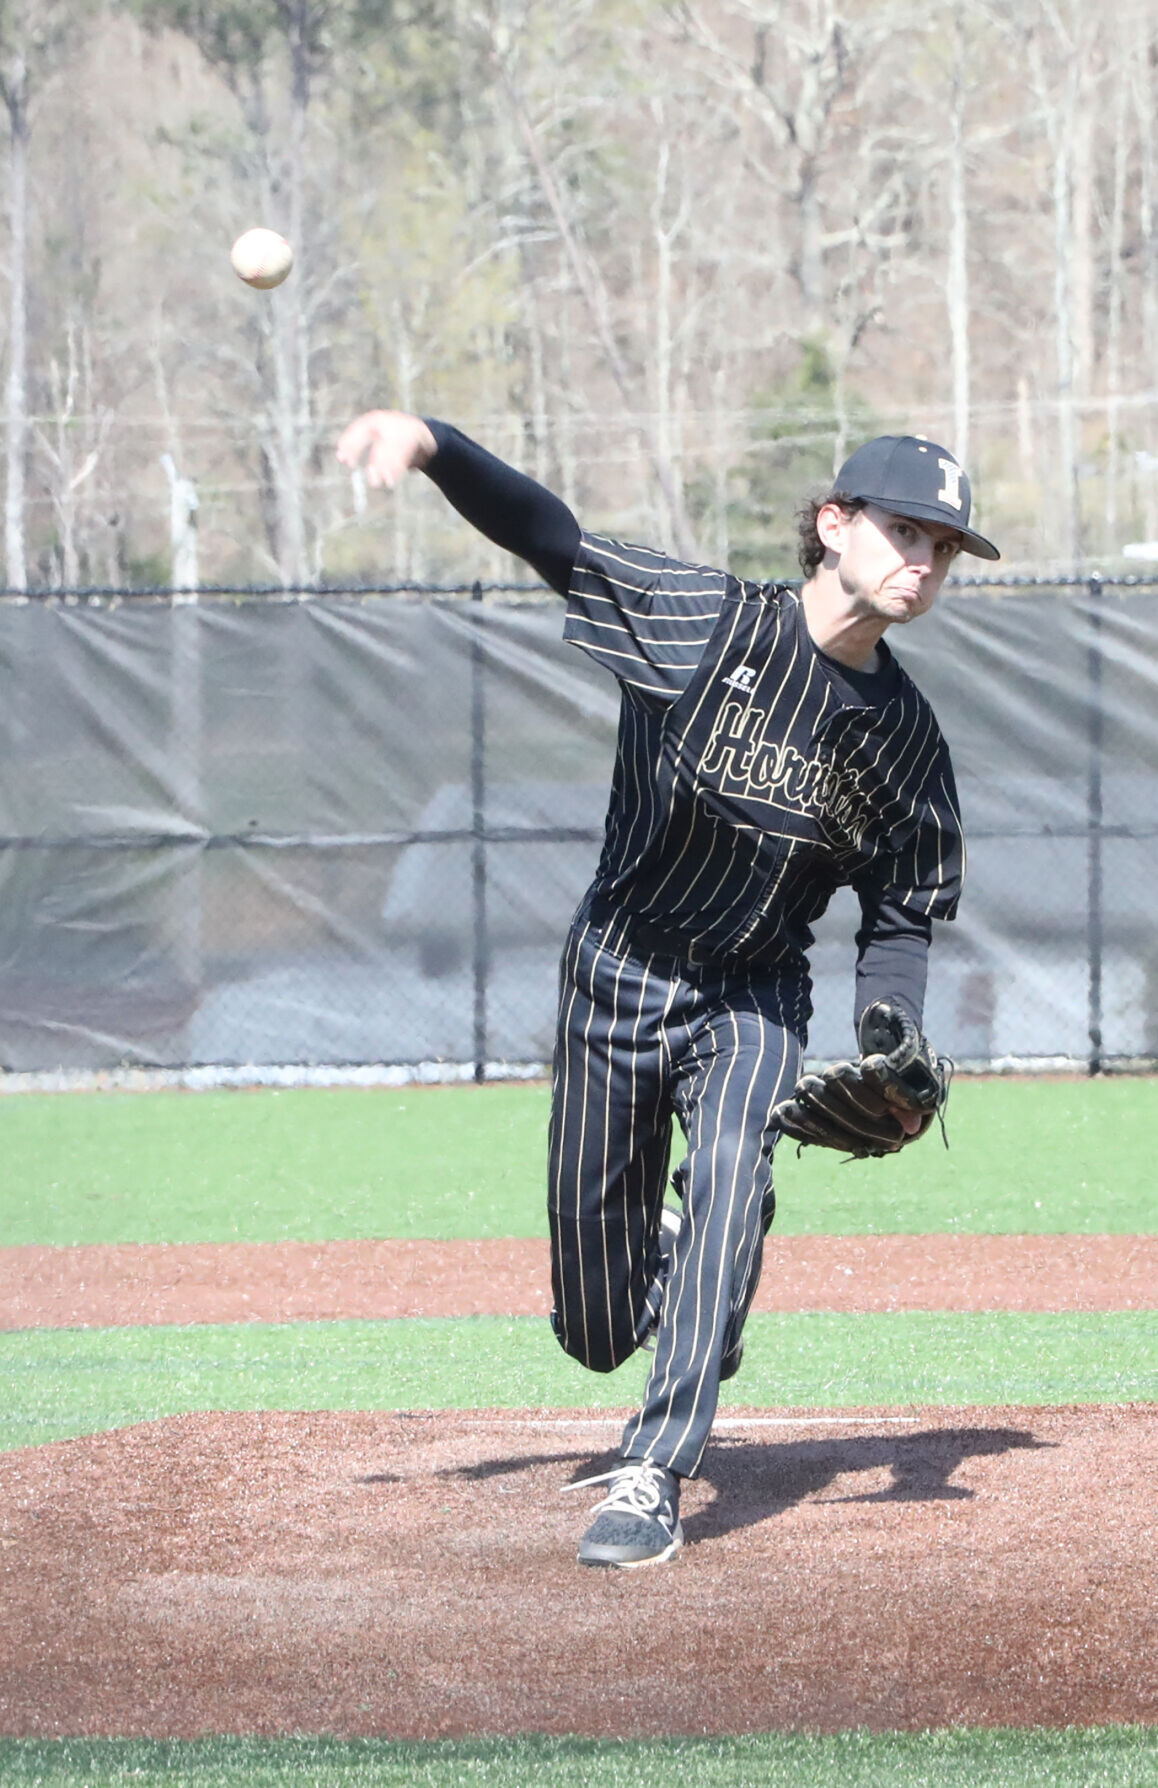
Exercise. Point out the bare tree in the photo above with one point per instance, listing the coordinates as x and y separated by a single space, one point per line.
271 55
183 507
957 271
1120 114
1063 91
593 287
72 444
35 35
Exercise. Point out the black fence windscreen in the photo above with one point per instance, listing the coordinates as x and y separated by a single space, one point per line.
351 829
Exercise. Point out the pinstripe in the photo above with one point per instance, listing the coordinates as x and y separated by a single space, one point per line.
605 1176
562 1107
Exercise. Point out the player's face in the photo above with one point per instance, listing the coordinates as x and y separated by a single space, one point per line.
890 565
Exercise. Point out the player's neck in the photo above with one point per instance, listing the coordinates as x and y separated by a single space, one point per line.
851 639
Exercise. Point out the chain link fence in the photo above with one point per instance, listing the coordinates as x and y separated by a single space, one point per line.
321 831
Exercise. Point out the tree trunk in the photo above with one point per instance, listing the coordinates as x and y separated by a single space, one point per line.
594 293
1069 532
288 328
183 508
957 272
1114 316
662 330
1148 235
16 388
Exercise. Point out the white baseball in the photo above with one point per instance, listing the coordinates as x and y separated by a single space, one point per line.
261 258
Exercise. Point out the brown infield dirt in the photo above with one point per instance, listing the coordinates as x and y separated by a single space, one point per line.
413 1575
107 1286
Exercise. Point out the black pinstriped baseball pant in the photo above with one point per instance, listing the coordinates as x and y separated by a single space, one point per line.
644 1040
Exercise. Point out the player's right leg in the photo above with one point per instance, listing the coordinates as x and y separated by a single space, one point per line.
610 1139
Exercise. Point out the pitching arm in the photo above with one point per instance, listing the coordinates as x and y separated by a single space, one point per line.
506 506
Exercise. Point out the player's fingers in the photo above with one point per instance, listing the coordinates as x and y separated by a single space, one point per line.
383 469
353 440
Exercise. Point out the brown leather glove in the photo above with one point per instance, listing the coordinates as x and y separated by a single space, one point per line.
855 1106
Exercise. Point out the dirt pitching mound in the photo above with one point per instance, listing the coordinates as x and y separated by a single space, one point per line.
413 1576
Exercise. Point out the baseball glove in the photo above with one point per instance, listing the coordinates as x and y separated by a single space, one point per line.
854 1106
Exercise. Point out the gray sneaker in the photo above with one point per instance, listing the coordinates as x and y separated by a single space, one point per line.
637 1523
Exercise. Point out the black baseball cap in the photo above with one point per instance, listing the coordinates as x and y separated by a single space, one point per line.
909 476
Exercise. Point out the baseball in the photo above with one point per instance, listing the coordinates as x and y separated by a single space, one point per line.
261 258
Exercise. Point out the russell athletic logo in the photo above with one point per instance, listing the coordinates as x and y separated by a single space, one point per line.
742 679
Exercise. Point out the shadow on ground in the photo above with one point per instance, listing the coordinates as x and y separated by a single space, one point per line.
756 1480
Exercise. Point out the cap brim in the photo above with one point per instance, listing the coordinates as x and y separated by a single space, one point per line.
971 542
978 545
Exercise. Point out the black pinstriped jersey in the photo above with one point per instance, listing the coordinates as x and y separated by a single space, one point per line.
754 776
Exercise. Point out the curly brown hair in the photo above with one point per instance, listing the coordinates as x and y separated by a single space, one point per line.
810 551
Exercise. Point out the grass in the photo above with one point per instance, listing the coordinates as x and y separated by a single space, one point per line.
56 1383
1105 1757
318 1164
315 1164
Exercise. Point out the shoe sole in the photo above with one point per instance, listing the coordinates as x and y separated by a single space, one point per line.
635 1564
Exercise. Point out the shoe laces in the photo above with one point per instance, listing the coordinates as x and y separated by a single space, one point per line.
637 1488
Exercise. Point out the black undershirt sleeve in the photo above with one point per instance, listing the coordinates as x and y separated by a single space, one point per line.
893 940
507 506
892 954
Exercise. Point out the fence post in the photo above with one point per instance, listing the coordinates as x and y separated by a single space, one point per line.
478 834
1095 938
186 745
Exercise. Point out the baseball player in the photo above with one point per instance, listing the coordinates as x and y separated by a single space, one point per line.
770 751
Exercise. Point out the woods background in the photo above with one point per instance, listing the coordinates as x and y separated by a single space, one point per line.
673 259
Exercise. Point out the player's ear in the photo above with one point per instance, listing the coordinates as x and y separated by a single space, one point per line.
832 527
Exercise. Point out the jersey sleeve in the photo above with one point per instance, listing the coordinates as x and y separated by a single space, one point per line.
920 863
642 616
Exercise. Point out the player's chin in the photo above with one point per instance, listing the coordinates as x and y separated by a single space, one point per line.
906 608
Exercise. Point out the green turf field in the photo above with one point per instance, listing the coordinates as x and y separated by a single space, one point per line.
60 1382
1114 1757
318 1164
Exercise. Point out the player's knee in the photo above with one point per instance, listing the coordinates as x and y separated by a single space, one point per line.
598 1355
600 1362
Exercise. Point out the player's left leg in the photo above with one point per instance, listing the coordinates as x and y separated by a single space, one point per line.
735 1049
742 1055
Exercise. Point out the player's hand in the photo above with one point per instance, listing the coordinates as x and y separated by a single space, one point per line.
879 1104
393 442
